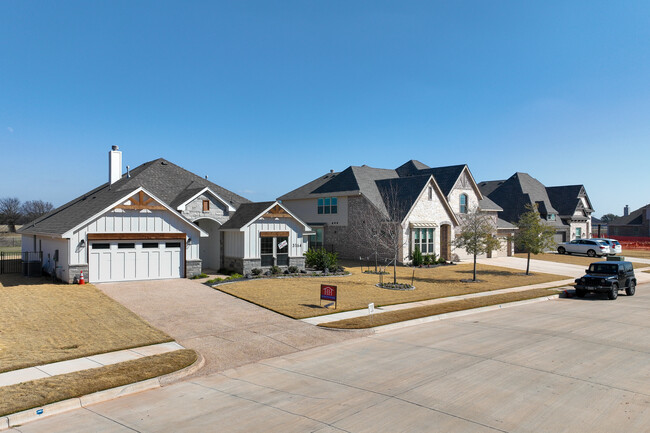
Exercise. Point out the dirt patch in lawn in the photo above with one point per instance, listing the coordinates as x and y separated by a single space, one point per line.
41 322
369 321
36 393
570 259
299 297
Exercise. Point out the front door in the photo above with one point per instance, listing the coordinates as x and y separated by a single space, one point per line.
445 241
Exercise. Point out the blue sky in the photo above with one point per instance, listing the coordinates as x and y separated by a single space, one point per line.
265 96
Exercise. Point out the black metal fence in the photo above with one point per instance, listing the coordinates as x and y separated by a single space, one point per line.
10 263
32 264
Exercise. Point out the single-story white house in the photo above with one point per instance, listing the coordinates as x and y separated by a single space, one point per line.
155 221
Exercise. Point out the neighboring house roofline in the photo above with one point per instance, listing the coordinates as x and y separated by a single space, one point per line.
181 207
69 233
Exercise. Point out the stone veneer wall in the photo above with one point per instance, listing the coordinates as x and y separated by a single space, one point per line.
245 266
194 210
74 271
192 268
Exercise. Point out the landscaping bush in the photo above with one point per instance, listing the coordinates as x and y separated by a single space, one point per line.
426 260
417 257
321 259
256 271
293 269
275 270
235 276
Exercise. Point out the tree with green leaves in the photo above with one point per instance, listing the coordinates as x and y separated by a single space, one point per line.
608 218
476 236
534 234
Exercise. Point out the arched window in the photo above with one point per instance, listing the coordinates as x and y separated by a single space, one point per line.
463 203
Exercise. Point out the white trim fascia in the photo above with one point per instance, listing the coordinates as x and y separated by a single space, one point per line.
181 207
305 226
47 235
441 196
70 232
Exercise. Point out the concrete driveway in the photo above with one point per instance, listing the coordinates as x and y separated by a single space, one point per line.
227 331
567 365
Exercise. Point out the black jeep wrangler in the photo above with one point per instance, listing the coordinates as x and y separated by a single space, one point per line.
607 277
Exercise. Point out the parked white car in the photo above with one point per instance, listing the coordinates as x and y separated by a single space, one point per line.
614 245
590 247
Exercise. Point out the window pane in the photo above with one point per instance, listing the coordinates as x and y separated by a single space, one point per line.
334 201
101 246
266 246
267 260
335 209
320 209
150 245
327 201
172 245
283 259
285 247
125 245
417 234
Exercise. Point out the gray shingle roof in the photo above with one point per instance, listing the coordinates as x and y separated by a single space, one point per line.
565 198
518 191
410 168
487 187
503 224
167 181
634 218
399 194
488 205
245 213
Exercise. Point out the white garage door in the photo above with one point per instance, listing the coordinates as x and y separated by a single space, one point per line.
135 260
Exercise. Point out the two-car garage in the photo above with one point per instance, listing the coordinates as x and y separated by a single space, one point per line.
135 259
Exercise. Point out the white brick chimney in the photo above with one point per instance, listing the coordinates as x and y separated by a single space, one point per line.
114 165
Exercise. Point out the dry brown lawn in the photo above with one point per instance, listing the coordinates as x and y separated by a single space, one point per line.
42 322
36 393
389 317
299 297
642 254
571 259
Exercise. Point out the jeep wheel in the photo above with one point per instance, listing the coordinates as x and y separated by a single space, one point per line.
561 250
631 289
591 253
613 294
580 293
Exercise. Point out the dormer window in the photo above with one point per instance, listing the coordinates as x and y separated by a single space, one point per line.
550 217
328 205
463 203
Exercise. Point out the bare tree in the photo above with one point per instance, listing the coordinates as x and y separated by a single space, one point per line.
380 230
33 209
10 212
476 234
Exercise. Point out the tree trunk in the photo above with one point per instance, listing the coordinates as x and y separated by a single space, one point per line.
395 269
376 261
528 264
474 278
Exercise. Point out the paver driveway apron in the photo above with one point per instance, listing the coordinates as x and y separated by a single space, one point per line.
227 331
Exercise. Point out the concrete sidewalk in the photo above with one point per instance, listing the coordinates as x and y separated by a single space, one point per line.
85 363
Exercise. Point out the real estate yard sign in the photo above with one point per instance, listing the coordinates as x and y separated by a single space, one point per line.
328 293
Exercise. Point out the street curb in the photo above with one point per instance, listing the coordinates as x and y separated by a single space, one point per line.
19 418
428 319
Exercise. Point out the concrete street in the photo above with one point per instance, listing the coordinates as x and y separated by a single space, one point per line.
567 365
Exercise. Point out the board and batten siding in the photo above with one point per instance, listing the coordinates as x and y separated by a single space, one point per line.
297 243
233 244
130 221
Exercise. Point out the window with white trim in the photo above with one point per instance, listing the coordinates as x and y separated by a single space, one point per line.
423 238
328 205
463 203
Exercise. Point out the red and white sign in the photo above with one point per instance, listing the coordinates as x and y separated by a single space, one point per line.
327 292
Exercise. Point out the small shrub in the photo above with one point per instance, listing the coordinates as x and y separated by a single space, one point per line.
417 257
214 281
275 270
235 276
293 269
321 259
426 260
256 271
442 260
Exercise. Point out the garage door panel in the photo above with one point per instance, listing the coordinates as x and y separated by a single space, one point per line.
136 261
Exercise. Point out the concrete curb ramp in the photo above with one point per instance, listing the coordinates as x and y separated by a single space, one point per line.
19 418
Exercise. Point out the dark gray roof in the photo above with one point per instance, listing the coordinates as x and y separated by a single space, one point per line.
518 191
487 187
168 182
489 205
566 199
245 213
634 218
410 168
399 194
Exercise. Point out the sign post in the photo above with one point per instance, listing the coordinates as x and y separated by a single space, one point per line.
328 293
